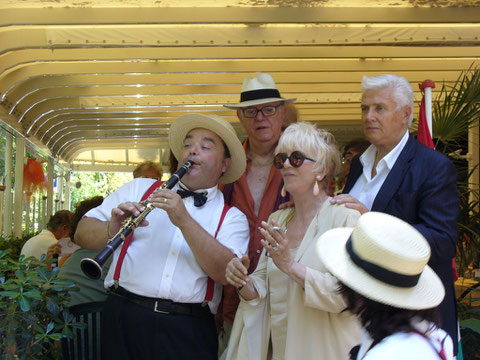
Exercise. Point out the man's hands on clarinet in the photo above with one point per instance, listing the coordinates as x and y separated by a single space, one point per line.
164 199
172 203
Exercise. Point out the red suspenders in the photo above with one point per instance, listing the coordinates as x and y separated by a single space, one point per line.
128 240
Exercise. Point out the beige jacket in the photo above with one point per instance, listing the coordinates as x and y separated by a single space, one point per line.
317 328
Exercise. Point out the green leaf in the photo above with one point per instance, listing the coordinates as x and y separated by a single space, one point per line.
10 294
52 306
24 303
56 336
50 327
34 294
19 274
43 273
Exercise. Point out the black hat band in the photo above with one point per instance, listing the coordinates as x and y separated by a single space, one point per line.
259 94
380 273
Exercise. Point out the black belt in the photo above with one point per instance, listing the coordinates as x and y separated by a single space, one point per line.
164 306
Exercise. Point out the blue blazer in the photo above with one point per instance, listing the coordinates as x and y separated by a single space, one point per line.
421 189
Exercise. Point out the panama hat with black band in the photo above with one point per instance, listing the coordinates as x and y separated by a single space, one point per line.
258 90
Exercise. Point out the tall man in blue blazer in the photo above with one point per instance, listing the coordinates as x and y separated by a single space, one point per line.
399 176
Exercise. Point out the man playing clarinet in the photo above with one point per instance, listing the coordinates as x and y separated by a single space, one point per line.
166 284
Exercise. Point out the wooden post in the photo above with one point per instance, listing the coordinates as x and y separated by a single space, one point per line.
2 198
18 204
8 207
28 197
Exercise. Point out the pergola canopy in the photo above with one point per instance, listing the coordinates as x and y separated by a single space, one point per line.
99 82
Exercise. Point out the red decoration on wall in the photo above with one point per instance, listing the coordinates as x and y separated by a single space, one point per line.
33 176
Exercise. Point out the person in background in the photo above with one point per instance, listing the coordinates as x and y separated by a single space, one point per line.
148 169
381 265
89 290
399 176
291 115
172 163
165 285
351 149
289 305
262 113
58 227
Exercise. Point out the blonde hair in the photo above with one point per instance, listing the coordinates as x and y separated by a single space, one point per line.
316 143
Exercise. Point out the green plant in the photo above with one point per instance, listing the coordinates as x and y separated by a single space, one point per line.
455 111
468 246
33 313
14 243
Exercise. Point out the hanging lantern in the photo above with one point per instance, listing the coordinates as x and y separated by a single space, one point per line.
33 176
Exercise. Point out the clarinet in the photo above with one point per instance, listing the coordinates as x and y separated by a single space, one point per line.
93 267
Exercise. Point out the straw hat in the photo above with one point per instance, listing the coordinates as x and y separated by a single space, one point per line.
259 90
387 262
185 123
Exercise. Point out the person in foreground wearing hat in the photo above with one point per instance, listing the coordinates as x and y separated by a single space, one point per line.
381 265
163 305
399 176
290 301
257 193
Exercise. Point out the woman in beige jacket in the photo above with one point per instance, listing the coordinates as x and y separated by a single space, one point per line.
290 308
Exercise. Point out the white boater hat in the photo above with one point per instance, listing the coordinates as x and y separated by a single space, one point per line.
187 122
384 259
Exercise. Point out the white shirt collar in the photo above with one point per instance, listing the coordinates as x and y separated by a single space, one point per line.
368 157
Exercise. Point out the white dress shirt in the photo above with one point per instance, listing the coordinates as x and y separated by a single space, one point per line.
159 263
366 188
411 346
38 245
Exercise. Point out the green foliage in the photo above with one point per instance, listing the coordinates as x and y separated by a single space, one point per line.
457 108
455 111
14 244
95 183
468 246
33 313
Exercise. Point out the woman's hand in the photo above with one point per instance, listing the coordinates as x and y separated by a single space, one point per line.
236 272
276 244
237 275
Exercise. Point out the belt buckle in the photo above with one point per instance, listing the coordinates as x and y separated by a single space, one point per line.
160 311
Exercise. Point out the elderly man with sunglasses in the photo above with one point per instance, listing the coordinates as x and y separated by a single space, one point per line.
261 112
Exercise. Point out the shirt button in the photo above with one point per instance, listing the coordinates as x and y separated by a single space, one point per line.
174 253
167 276
258 251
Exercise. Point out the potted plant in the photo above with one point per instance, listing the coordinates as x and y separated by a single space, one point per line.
33 313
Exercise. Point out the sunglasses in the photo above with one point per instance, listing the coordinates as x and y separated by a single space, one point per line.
296 159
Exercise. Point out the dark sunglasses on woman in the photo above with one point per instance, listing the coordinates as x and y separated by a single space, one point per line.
296 159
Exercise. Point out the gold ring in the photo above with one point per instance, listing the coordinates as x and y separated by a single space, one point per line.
165 200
